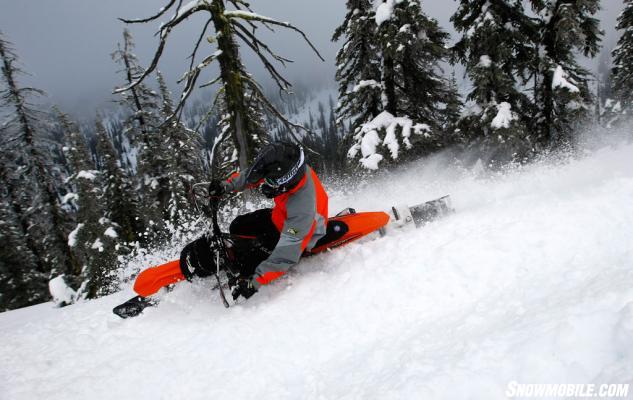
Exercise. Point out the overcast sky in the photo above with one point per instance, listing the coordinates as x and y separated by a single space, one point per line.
66 44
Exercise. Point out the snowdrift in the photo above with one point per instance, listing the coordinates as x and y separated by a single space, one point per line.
530 281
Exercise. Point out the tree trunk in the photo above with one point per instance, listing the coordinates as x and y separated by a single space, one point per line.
390 85
230 72
547 111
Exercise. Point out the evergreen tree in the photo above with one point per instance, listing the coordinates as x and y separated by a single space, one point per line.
563 98
19 197
612 114
35 200
623 59
322 123
142 126
358 65
310 120
184 163
326 141
496 48
413 45
93 238
605 76
333 149
608 109
414 94
452 113
22 283
118 194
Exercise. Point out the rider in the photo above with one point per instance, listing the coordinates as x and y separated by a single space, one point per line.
278 236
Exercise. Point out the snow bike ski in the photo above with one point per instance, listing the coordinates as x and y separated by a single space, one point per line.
346 227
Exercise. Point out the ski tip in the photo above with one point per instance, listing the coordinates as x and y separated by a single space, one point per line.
132 307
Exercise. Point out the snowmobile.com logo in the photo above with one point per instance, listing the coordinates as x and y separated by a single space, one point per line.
566 390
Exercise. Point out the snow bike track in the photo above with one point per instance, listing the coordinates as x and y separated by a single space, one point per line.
530 281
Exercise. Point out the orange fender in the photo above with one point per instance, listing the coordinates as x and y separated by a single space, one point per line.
359 224
152 279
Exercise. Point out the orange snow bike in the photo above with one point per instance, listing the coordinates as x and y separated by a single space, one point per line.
346 227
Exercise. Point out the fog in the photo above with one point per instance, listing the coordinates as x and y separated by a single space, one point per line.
66 44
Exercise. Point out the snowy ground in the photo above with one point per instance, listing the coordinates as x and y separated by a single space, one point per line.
530 281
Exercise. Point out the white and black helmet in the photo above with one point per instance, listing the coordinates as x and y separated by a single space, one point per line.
280 164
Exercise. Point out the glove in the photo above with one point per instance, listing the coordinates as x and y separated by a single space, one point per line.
232 280
269 191
243 288
217 189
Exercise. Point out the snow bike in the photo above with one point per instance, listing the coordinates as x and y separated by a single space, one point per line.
345 227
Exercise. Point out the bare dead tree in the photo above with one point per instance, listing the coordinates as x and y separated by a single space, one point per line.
240 94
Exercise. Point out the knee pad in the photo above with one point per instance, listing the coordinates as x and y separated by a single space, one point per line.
197 259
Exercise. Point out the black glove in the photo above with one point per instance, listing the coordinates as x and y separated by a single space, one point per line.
217 189
269 191
243 288
232 280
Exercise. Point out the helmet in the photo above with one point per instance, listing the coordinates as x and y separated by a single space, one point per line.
281 165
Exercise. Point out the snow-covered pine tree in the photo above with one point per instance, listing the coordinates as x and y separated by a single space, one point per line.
609 112
185 163
240 98
496 48
22 283
17 195
413 91
34 195
452 114
118 195
334 152
358 65
416 44
124 150
604 78
142 127
331 159
563 99
612 114
623 59
92 240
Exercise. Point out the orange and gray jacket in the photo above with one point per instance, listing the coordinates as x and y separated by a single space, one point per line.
300 216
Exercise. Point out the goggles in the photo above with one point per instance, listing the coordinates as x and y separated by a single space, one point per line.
271 182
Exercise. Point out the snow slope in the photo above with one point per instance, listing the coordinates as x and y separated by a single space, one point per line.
530 281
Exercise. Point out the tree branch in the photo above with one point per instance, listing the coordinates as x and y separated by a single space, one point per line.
288 124
195 49
192 77
261 44
152 18
283 84
249 16
164 33
204 119
247 6
216 80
